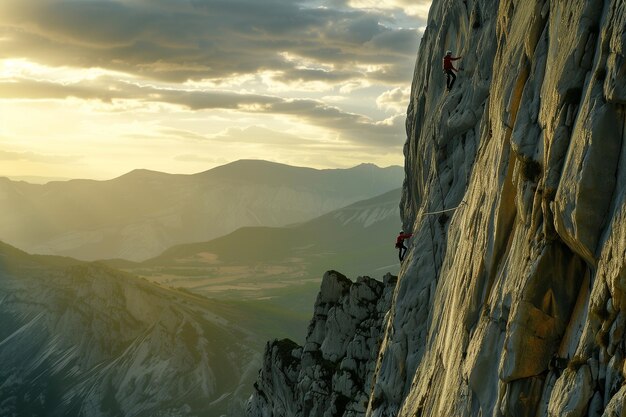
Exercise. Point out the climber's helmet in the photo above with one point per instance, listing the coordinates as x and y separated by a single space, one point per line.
448 52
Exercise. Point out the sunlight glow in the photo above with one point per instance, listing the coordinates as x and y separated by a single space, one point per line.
23 68
409 7
235 81
306 63
192 96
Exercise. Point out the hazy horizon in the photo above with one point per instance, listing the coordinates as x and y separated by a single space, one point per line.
96 89
42 179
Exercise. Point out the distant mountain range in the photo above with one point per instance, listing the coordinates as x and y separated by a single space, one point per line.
86 339
142 213
284 264
82 339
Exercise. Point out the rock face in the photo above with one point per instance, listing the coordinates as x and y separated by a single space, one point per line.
513 301
513 304
330 374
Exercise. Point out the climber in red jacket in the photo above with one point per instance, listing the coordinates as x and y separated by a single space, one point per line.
400 244
449 69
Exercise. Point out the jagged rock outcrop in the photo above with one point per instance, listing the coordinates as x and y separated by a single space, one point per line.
512 301
330 375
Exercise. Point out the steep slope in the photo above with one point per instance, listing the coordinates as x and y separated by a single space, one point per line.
513 305
81 339
142 213
511 302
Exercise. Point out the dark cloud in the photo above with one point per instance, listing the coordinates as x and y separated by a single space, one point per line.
107 89
319 75
401 41
349 126
176 40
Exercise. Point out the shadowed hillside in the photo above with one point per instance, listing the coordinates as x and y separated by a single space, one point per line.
82 339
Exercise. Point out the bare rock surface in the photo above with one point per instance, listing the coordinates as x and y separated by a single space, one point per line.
512 301
330 375
520 308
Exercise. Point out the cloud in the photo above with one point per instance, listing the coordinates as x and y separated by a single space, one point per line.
348 126
415 8
250 134
179 40
107 89
183 134
418 8
395 100
37 157
201 159
259 135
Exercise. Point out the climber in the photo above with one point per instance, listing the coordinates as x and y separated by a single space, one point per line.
449 69
400 244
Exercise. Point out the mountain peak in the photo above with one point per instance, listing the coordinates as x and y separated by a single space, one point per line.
251 166
367 165
141 174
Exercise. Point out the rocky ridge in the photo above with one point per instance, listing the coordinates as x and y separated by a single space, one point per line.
328 375
511 302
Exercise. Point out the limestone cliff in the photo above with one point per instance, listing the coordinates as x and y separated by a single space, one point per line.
511 301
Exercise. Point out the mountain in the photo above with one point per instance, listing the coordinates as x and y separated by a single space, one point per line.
83 339
284 264
142 213
511 301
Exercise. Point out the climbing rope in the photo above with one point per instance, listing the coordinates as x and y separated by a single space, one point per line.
443 211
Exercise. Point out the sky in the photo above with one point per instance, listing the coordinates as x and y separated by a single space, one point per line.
97 88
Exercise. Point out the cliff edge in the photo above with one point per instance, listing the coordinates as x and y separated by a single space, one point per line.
511 301
512 304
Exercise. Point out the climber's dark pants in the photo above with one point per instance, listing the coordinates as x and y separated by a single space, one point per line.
401 252
450 76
